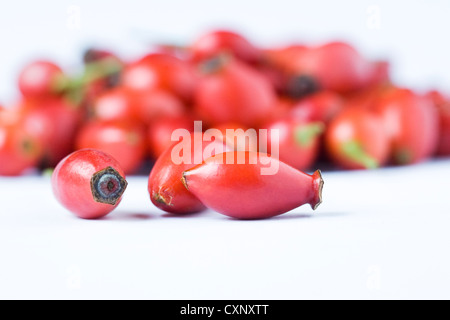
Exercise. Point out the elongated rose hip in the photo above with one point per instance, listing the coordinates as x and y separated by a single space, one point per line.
165 185
241 191
89 183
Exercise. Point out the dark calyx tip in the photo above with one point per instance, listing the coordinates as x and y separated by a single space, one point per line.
301 86
108 186
318 181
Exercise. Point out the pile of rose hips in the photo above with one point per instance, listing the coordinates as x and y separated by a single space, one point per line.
329 103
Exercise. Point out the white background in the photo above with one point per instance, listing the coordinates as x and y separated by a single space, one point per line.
380 234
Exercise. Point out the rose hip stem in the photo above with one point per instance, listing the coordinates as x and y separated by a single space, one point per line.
239 190
89 183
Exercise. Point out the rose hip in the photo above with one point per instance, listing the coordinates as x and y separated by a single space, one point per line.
231 91
298 142
89 183
241 191
122 140
165 187
356 139
40 79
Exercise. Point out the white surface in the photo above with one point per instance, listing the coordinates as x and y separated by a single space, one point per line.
411 34
379 234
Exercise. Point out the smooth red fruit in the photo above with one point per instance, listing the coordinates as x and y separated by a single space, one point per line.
237 137
40 79
412 124
298 141
165 187
161 71
442 104
55 122
335 66
19 149
241 191
160 132
216 42
233 92
89 183
322 106
152 106
122 140
117 104
356 139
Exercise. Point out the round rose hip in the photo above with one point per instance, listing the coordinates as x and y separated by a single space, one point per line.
89 183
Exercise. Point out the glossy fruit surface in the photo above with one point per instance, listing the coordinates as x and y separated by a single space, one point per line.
241 191
412 124
442 105
297 142
39 79
233 92
19 149
356 140
122 140
89 183
165 187
214 43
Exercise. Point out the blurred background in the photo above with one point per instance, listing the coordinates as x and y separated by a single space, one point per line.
411 34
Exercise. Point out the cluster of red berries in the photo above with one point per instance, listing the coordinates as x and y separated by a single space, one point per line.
328 102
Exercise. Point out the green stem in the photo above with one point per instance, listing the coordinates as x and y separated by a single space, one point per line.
305 134
355 152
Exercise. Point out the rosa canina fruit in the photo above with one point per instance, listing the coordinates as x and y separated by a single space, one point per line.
159 133
165 187
412 124
122 140
19 149
231 91
298 141
442 104
40 79
89 183
240 190
322 106
356 139
334 66
55 122
114 105
161 71
154 105
213 43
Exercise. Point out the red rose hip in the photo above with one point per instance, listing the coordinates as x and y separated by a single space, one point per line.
243 190
89 183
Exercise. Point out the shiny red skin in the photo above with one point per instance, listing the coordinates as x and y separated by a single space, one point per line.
122 140
283 58
165 187
216 42
442 104
322 106
234 93
71 182
117 104
298 143
38 79
161 71
336 66
412 124
19 150
240 191
363 129
160 132
237 138
53 121
152 106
